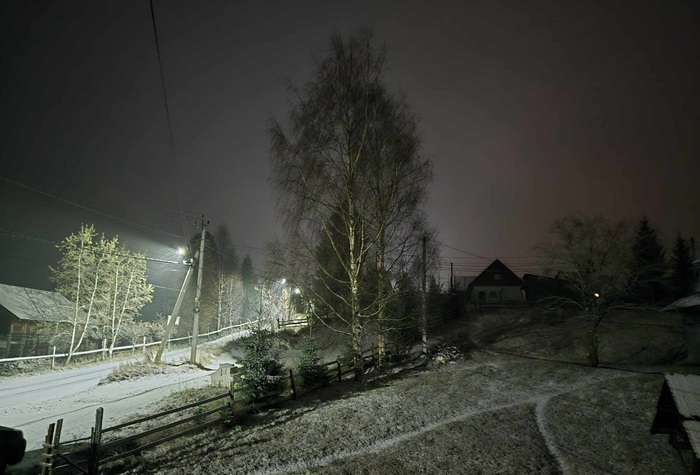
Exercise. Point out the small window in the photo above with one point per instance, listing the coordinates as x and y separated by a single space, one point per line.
496 276
493 294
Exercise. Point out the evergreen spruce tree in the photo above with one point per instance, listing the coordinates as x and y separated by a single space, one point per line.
309 366
262 372
647 266
681 268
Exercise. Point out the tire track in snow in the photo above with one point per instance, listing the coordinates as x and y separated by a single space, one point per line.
386 443
547 436
539 402
549 439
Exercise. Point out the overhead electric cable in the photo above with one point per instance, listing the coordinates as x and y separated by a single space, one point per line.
102 213
170 125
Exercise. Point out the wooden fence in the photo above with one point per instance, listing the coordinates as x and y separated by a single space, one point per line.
103 352
300 322
88 454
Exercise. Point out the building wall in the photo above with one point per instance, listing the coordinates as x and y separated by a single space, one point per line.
494 294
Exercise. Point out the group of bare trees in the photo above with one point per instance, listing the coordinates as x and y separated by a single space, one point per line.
351 181
106 285
604 266
225 295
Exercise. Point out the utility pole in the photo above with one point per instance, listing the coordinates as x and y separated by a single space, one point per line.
424 302
452 279
197 299
173 317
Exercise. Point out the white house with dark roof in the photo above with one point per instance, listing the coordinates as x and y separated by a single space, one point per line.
496 284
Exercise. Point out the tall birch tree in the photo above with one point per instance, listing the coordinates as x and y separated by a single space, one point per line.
343 125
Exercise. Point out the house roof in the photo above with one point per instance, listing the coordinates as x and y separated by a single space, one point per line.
35 305
497 274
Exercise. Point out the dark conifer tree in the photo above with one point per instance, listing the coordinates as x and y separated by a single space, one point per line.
647 266
681 268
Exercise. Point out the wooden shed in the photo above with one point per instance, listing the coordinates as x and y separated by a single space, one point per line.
21 311
678 414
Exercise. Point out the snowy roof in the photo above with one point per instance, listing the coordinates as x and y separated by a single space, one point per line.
685 302
33 304
692 430
685 389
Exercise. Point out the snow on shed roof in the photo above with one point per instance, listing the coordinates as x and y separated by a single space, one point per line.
685 389
685 302
34 305
692 430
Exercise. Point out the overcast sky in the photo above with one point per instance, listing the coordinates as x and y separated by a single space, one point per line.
529 111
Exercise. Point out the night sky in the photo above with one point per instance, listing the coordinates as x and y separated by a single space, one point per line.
529 111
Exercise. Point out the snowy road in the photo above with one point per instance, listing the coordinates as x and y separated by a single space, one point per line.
31 403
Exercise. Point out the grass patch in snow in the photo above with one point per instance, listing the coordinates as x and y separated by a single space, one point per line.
134 370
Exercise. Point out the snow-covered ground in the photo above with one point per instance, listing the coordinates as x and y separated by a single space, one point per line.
487 413
31 402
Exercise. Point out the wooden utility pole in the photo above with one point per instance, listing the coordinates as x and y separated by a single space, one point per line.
173 317
452 279
197 299
424 301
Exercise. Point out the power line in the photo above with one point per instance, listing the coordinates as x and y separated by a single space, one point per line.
28 237
73 203
102 213
170 125
467 252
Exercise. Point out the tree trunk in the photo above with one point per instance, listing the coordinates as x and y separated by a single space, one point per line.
357 362
381 311
592 345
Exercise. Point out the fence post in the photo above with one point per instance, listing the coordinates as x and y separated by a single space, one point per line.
94 462
104 349
144 344
230 395
340 372
47 456
56 441
294 388
53 358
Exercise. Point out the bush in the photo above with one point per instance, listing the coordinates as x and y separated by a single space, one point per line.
261 370
309 367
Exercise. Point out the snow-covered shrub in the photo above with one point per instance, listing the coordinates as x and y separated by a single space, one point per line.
443 354
309 365
261 370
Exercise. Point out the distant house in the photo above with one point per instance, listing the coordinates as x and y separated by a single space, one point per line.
496 284
540 288
21 310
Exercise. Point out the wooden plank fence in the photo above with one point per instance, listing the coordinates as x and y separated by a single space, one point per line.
87 455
